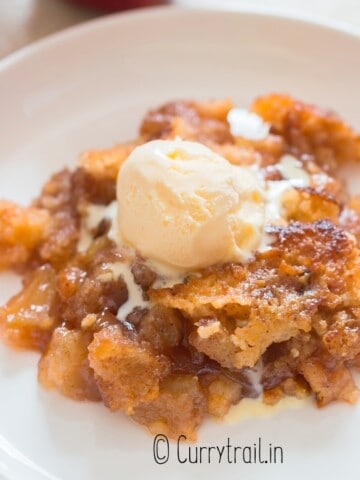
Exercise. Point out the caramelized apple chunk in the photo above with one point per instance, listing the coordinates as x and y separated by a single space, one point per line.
308 205
105 164
28 319
126 371
177 410
161 327
65 366
221 393
57 197
21 231
329 380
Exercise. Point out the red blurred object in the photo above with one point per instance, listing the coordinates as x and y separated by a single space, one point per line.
115 5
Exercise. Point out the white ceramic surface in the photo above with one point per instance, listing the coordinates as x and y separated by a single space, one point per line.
89 87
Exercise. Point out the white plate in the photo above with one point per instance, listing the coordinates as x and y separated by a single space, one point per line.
89 87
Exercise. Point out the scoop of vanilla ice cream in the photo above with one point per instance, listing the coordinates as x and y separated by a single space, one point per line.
181 204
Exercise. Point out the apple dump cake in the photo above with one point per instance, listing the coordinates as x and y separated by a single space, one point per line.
213 258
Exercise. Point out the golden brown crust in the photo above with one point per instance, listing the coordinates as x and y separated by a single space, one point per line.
272 299
188 120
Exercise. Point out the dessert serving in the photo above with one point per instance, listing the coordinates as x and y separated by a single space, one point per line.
212 259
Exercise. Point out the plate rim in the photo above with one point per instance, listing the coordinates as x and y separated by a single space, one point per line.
86 27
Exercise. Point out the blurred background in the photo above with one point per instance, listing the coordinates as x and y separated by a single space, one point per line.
23 21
